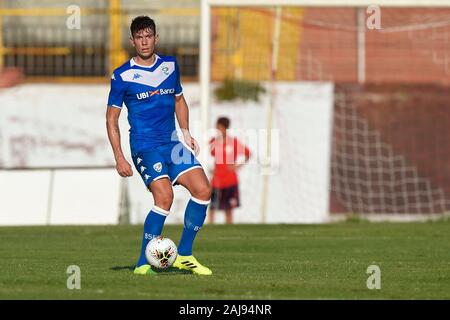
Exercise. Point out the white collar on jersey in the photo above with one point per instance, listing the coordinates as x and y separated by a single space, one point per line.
133 63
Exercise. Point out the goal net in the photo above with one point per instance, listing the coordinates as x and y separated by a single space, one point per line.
351 117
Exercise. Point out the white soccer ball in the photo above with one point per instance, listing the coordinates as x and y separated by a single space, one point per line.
161 252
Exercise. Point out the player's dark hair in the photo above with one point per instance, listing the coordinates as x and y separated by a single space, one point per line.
224 121
142 23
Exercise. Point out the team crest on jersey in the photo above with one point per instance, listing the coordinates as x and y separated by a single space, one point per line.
157 166
165 70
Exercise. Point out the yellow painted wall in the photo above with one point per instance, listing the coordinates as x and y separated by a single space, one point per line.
242 43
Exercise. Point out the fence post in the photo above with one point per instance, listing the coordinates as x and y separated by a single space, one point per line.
50 196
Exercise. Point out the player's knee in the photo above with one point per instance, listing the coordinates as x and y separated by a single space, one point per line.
203 192
164 200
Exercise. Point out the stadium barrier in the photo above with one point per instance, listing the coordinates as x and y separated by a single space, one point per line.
59 196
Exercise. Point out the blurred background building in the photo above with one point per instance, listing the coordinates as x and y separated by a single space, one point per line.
316 43
34 35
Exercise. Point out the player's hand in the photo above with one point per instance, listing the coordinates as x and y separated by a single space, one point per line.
191 142
124 168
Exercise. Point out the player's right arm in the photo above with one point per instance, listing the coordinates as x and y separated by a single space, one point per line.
115 101
123 167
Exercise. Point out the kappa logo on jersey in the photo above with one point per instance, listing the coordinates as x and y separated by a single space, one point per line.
151 93
143 169
157 166
137 76
165 70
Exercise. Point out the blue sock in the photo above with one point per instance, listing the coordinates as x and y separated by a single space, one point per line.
194 217
153 226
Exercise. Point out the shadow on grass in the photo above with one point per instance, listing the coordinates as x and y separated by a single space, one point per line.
170 271
119 268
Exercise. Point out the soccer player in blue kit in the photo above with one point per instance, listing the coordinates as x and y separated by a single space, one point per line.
149 86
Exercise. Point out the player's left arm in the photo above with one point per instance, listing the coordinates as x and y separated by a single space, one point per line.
240 150
182 112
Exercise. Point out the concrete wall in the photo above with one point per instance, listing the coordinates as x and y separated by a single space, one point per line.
64 126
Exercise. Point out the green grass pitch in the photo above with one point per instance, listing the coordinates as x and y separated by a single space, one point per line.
249 262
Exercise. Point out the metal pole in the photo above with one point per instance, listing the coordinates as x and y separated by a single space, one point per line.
2 58
115 35
124 203
50 196
361 44
267 163
205 75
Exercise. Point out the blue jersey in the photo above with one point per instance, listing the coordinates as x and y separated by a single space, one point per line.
149 94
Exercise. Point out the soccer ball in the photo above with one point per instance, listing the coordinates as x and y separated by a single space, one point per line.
161 252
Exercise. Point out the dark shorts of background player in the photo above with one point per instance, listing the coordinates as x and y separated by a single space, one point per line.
225 198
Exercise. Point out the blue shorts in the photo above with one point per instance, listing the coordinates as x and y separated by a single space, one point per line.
166 161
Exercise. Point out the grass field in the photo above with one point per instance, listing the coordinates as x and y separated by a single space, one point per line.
248 261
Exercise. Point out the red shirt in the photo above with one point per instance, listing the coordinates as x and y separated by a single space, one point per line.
225 152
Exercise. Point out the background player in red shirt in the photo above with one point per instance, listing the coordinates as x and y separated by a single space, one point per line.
225 189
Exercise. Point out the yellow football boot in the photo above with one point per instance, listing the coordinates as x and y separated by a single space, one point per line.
190 263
